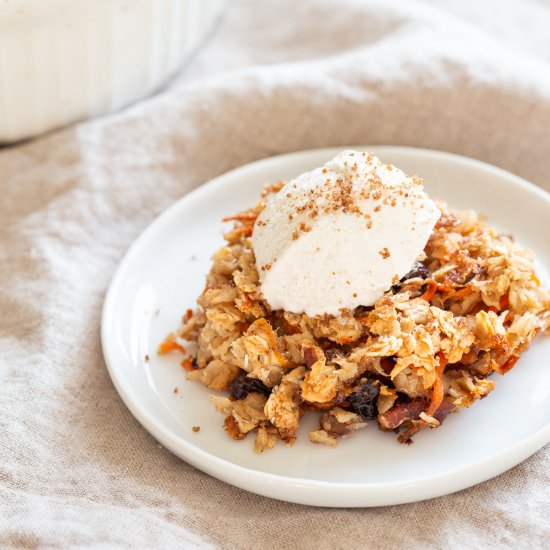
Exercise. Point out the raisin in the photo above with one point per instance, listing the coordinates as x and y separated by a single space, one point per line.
462 276
242 385
418 270
363 400
387 364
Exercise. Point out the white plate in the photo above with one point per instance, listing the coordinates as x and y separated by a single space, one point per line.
163 273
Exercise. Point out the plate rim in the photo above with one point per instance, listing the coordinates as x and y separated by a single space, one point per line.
306 491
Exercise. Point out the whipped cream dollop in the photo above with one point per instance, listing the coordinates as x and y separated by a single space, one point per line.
339 236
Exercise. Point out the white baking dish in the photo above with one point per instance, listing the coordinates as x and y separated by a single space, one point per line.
65 60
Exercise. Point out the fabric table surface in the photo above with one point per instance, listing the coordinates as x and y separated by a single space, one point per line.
76 469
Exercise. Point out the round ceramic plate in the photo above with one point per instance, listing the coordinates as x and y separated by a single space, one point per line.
163 273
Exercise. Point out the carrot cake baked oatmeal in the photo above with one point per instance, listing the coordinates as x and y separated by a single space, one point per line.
348 291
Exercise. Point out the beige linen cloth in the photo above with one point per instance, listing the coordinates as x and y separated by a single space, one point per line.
76 469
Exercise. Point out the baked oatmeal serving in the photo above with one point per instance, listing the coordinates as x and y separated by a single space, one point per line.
348 292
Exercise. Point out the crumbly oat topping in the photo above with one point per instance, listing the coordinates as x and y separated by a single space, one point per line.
467 310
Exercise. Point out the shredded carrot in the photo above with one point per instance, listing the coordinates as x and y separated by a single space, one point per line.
508 365
187 364
264 325
242 216
535 279
481 306
437 394
345 340
445 287
247 230
232 428
430 291
271 339
463 292
167 346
